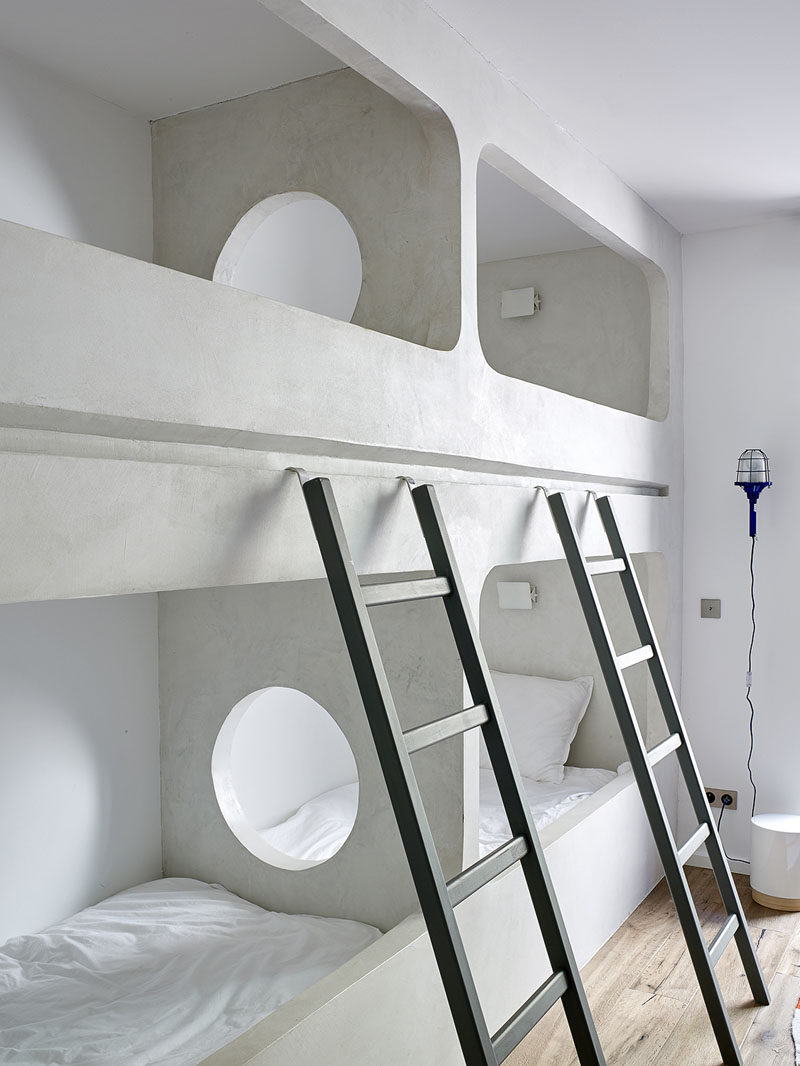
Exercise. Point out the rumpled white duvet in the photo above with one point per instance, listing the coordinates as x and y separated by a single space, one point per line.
320 827
547 802
165 973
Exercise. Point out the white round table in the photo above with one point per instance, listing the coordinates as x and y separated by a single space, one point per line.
775 861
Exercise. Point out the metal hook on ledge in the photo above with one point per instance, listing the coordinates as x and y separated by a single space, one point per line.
302 475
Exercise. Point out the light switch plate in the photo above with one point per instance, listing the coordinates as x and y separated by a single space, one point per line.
710 608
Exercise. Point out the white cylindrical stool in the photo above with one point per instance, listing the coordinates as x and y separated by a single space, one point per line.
775 861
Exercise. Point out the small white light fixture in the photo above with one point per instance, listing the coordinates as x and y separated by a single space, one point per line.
519 303
516 595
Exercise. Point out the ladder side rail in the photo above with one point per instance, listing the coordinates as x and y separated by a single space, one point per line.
404 794
534 867
686 760
651 798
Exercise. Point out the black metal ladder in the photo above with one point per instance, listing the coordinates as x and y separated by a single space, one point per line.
437 897
704 957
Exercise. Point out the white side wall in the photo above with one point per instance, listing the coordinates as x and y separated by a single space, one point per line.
742 335
73 164
79 757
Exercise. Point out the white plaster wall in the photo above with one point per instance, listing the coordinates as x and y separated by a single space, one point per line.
742 387
73 164
79 757
591 337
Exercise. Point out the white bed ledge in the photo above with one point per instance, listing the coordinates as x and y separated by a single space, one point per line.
386 1006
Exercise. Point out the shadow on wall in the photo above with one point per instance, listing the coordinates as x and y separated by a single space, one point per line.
79 763
558 308
339 138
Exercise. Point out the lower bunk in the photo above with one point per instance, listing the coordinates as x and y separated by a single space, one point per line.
386 1006
165 972
180 972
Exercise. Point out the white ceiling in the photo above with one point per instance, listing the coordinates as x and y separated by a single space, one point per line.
512 223
156 58
694 103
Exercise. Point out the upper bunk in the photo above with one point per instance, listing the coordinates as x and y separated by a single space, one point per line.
161 399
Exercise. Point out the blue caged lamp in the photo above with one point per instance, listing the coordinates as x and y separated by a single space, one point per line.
752 474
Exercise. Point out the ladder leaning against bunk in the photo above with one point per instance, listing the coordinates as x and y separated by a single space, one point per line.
704 957
438 897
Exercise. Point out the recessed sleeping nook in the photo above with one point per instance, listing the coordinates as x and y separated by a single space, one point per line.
158 748
549 686
559 308
306 183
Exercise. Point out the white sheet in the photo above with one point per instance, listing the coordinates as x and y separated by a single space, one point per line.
165 973
547 801
319 828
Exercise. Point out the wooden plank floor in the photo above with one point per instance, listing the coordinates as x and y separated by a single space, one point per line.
644 995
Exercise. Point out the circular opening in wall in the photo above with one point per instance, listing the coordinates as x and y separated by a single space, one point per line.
296 248
285 778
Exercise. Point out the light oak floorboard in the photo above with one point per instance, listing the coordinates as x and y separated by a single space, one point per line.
644 994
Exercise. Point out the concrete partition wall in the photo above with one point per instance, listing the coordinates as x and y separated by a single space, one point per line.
217 646
394 176
592 334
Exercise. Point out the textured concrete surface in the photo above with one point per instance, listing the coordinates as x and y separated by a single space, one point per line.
341 137
217 646
592 335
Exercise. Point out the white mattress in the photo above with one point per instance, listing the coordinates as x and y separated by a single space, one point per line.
320 827
165 973
547 802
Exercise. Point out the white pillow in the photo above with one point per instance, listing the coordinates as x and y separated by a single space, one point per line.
542 716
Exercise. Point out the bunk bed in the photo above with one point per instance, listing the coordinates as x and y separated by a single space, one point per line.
165 972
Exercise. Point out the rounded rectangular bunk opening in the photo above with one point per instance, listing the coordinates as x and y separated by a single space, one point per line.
575 311
538 648
226 144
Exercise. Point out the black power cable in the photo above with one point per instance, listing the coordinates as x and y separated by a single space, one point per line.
726 802
749 678
749 684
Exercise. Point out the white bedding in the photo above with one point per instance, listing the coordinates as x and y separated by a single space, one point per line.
165 973
320 827
547 801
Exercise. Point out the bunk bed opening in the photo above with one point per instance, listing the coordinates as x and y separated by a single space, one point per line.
560 306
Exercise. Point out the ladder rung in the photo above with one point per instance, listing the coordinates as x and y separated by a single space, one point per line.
662 750
486 869
638 655
722 939
693 843
443 728
424 588
529 1014
605 566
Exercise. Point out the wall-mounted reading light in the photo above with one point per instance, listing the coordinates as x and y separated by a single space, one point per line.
516 595
752 474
